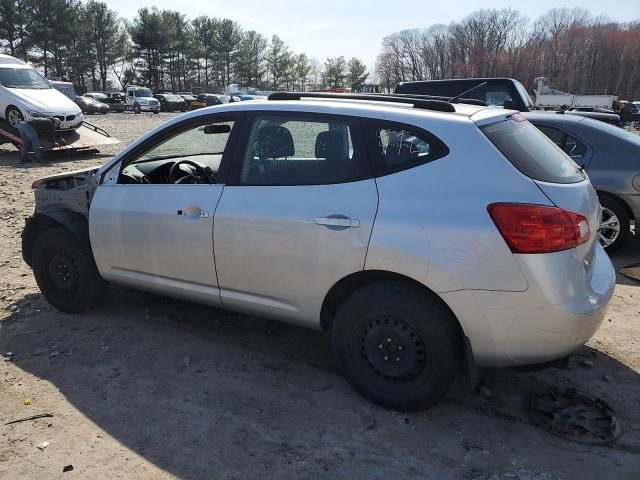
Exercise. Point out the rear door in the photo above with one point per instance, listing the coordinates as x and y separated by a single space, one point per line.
295 216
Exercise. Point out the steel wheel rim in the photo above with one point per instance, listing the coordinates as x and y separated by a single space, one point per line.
392 350
63 272
609 229
14 118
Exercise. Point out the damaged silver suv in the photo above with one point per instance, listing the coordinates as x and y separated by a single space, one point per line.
424 236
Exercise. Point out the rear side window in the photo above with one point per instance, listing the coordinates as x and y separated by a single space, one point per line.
394 146
531 152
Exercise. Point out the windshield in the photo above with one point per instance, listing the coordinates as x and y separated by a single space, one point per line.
523 93
613 130
22 78
143 92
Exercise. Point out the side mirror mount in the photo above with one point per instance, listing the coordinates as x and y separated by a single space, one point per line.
217 128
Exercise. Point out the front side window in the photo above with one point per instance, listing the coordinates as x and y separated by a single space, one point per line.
569 145
299 151
196 149
396 147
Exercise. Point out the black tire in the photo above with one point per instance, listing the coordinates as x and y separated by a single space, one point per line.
136 108
13 114
156 112
66 272
614 207
399 346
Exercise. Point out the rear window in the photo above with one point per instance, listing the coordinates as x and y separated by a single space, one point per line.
531 152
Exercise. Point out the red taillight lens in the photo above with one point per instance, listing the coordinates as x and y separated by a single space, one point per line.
537 228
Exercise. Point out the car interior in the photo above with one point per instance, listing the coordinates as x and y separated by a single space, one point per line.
294 152
188 157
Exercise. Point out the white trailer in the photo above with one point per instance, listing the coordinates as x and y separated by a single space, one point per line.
547 97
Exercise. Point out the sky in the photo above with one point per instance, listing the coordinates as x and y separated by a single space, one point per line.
330 28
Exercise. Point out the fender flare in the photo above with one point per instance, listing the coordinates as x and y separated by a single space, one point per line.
75 223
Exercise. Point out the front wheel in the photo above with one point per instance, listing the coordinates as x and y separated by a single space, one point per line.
397 345
155 112
137 109
615 227
66 272
14 116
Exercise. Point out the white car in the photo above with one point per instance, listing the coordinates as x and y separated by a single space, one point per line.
25 94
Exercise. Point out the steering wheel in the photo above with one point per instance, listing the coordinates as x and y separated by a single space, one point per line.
199 176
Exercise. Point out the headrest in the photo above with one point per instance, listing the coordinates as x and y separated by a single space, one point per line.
273 141
330 145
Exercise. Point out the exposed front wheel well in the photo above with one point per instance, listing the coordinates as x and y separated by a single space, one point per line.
75 223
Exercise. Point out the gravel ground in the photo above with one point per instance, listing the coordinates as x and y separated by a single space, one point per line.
147 387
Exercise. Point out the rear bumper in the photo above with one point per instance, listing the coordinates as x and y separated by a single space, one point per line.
559 312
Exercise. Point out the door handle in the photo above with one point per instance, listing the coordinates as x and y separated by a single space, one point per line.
192 212
337 222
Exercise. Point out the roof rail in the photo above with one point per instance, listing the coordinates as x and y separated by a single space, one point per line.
468 101
422 103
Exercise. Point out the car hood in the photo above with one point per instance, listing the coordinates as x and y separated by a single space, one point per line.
46 100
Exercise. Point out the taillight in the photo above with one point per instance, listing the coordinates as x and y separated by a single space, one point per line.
537 228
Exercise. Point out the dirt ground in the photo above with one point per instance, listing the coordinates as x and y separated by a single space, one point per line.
147 387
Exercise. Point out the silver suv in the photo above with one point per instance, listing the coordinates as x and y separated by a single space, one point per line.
424 236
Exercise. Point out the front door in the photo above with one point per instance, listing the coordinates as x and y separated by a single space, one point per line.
154 228
296 215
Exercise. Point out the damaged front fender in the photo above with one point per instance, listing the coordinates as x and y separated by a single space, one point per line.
72 191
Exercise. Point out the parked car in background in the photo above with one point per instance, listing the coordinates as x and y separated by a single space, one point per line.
628 111
170 102
206 100
25 94
65 87
424 237
140 99
90 105
611 157
188 98
115 100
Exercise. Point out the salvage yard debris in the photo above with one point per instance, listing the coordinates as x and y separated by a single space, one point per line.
32 417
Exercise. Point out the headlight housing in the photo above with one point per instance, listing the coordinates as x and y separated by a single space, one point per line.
35 114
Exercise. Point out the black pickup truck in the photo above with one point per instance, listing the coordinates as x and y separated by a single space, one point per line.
495 92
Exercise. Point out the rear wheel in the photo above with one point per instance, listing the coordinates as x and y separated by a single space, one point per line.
615 227
66 272
397 345
14 116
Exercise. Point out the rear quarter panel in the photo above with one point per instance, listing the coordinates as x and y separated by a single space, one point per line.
432 222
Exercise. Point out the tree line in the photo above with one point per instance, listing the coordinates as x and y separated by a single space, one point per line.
89 44
577 52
